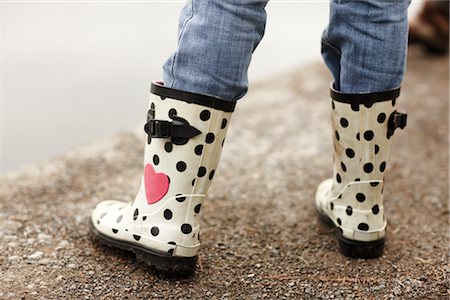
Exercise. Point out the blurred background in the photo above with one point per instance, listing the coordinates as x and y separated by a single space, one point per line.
73 71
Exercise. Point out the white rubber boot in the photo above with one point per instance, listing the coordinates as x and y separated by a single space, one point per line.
352 200
186 133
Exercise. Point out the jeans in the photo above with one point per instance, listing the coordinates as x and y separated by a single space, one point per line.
364 46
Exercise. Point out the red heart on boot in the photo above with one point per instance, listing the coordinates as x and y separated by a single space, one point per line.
156 184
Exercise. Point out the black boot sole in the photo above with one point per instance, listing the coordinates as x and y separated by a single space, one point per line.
162 263
352 248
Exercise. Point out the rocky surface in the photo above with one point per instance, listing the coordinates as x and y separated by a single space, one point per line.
261 237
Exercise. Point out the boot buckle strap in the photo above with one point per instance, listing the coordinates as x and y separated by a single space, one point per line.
165 129
396 120
158 128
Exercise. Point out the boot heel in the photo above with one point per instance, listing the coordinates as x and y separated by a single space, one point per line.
357 249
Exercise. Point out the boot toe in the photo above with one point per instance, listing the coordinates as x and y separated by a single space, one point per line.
105 214
323 194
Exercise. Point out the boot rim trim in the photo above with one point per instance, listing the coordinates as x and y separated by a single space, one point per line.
159 89
364 98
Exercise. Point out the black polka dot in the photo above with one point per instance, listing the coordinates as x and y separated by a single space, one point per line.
360 197
181 166
363 226
136 237
186 228
167 214
355 107
336 134
201 172
383 166
350 153
344 122
180 198
357 179
211 175
368 168
331 205
224 123
357 136
374 183
368 105
98 221
193 182
144 218
115 230
381 118
119 218
223 142
154 231
172 113
332 105
339 221
368 135
377 149
210 138
168 147
340 196
338 178
349 210
344 168
197 208
198 149
155 160
375 209
340 230
135 214
205 115
172 243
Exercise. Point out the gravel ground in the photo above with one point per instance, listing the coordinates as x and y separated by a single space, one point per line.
261 237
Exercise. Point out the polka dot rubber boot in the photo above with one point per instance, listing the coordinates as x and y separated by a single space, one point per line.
352 201
185 136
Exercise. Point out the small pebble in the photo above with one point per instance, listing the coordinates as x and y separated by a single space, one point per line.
35 255
14 258
63 244
12 244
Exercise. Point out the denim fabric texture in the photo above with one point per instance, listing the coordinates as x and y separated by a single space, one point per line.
364 46
215 45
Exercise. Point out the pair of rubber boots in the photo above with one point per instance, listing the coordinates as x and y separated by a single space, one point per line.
185 136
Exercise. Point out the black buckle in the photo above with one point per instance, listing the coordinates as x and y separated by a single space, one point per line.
396 120
176 129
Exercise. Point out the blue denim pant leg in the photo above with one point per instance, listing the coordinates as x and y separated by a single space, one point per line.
365 43
215 45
